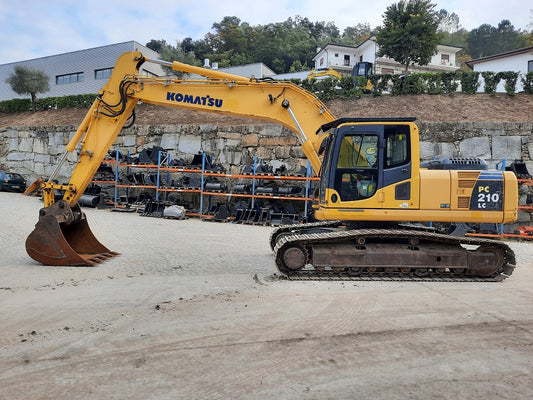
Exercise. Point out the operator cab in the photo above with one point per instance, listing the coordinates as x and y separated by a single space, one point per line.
363 156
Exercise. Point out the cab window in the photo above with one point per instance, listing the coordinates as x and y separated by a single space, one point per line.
357 167
397 151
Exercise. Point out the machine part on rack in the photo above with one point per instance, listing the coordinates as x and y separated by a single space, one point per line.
154 209
174 212
242 188
93 189
397 254
177 162
193 182
289 190
519 167
302 172
102 204
88 200
264 217
489 228
221 213
151 155
524 230
197 161
104 173
265 190
459 229
112 155
249 216
63 237
248 170
215 186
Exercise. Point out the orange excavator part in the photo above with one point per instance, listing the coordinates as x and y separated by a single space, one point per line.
63 237
33 187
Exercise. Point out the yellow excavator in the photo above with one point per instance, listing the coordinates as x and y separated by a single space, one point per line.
371 192
323 73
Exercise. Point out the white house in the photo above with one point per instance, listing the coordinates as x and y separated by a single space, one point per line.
520 60
344 58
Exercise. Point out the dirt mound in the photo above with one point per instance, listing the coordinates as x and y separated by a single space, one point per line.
457 108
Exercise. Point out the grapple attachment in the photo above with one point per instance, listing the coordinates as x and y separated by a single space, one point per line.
63 237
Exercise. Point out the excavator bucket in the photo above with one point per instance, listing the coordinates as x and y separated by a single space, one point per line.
63 237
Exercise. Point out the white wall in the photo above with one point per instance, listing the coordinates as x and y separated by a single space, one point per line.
517 63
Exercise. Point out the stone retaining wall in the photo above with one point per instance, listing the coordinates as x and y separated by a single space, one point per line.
33 152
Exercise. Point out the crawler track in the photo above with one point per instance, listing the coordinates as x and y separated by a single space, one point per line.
389 255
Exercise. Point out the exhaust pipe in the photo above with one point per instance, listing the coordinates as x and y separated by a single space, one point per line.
62 237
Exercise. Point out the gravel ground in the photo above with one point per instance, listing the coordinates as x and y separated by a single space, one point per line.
193 310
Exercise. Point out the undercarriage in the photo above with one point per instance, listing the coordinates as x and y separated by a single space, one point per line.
329 250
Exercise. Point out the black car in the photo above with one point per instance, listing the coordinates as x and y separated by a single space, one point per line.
12 182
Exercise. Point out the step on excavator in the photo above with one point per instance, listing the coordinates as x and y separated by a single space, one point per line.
375 202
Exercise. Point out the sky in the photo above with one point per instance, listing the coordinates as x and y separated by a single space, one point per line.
38 28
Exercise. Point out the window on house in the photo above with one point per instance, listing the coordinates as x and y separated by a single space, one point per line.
444 59
530 66
322 61
69 78
346 60
336 55
104 73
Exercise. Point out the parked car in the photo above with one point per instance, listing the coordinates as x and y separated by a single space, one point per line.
10 181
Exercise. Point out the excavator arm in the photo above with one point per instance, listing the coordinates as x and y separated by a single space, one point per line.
62 235
214 92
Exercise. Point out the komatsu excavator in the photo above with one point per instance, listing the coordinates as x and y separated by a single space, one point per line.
372 187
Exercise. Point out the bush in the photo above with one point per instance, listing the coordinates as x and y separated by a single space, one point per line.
491 80
397 84
325 89
15 105
510 78
527 82
449 82
379 83
48 103
469 82
414 84
433 83
349 89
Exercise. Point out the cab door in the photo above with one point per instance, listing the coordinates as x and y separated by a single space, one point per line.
368 166
397 167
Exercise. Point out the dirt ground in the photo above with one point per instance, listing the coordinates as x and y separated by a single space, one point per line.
194 310
461 107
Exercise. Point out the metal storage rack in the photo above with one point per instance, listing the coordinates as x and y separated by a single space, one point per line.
162 186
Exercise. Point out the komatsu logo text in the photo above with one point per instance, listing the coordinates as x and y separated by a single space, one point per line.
190 99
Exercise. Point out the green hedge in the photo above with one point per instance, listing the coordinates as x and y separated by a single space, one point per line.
331 88
527 81
48 103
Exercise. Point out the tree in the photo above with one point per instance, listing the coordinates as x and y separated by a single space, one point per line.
448 22
354 35
409 32
29 81
168 52
487 40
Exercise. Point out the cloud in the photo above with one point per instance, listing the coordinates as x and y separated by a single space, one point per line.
37 28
